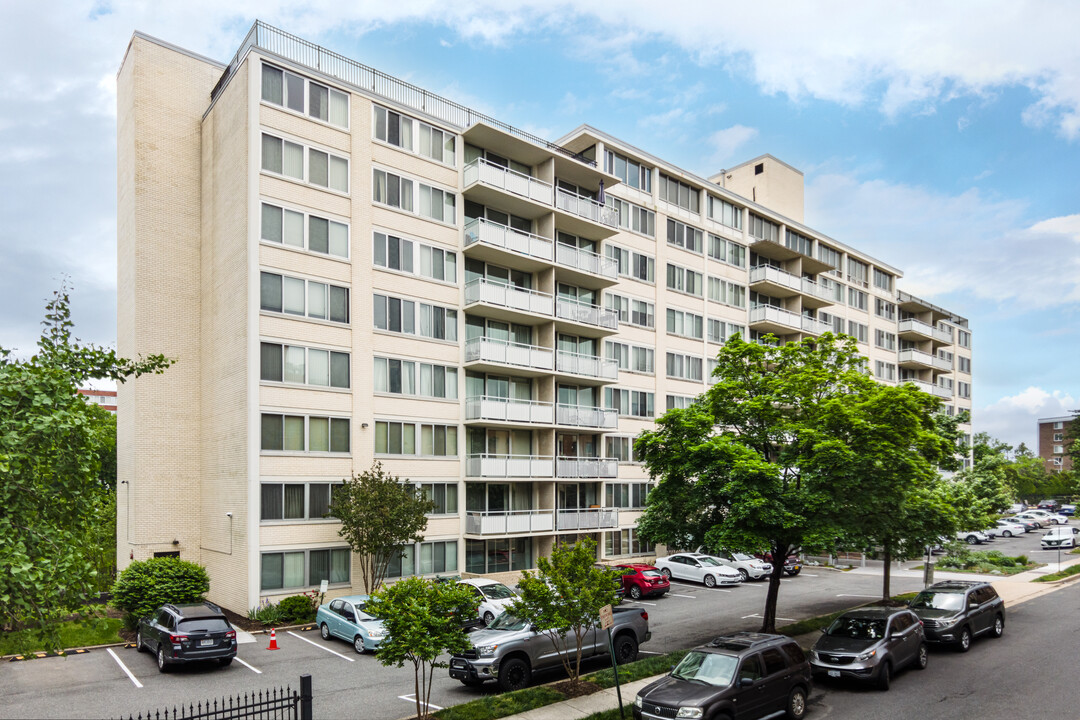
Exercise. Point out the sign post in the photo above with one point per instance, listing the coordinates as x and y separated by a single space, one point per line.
607 620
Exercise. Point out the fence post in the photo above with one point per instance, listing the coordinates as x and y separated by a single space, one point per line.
305 697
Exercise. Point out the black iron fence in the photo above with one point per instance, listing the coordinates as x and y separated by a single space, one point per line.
271 704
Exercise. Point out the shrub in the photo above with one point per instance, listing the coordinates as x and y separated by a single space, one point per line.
268 614
297 608
146 585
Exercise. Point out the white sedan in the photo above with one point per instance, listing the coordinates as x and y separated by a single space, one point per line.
1009 529
1051 518
750 568
697 568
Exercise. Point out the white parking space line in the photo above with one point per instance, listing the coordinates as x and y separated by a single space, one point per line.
124 668
411 698
756 615
649 652
681 595
641 602
809 574
249 667
860 596
716 589
321 647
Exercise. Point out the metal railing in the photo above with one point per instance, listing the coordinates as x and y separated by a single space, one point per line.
507 466
508 353
483 290
586 467
576 311
586 207
490 233
279 702
815 326
307 54
767 273
768 313
916 356
488 173
585 416
588 365
586 261
586 519
508 522
488 407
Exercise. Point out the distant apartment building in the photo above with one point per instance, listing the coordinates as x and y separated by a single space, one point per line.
1054 444
105 398
348 268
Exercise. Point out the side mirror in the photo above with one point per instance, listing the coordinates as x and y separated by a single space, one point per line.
746 682
533 628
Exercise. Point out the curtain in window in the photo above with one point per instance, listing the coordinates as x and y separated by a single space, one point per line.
272 85
339 435
316 300
271 223
339 108
293 433
339 566
338 240
271 502
294 502
318 168
339 174
271 154
319 434
292 295
270 362
318 367
293 161
294 569
317 101
271 432
294 364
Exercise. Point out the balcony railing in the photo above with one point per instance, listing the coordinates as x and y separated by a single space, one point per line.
941 363
586 467
586 261
767 273
916 357
483 290
918 327
584 416
943 392
574 311
509 522
921 384
508 353
809 287
488 173
814 326
587 365
770 314
586 519
510 466
504 409
586 207
493 234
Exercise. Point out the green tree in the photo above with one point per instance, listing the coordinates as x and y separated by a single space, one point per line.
1072 440
379 513
146 585
423 620
52 445
774 455
563 598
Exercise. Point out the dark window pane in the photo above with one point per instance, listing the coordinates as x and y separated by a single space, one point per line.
339 370
339 304
318 500
318 235
271 85
272 571
271 362
339 435
271 223
270 292
318 566
294 86
294 502
271 501
272 430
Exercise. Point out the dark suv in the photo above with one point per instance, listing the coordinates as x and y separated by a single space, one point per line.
955 611
870 644
751 675
187 633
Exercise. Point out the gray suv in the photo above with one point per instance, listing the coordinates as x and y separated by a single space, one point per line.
955 611
870 644
748 675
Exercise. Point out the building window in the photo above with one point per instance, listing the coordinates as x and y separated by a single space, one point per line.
491 556
304 433
884 370
727 292
721 332
685 236
725 213
685 324
398 438
1059 437
945 382
399 254
858 331
399 316
305 366
630 496
679 193
965 364
414 136
829 256
304 568
857 299
626 542
631 403
679 402
883 308
434 557
963 338
286 89
633 217
762 229
727 251
632 264
799 243
286 158
443 494
886 340
963 389
683 367
621 448
858 272
883 280
304 231
683 280
1058 449
631 172
631 311
400 192
630 358
297 501
399 377
1059 425
307 298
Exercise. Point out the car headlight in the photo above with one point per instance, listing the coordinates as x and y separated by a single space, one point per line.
948 622
689 712
376 634
867 655
637 701
487 650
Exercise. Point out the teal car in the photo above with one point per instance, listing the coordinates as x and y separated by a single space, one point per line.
344 618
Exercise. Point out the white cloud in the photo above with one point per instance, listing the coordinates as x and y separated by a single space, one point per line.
1013 419
725 143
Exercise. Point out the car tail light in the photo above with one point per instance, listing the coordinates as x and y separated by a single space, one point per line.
645 616
177 639
231 634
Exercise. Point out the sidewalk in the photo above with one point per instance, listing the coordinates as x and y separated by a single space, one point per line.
1013 589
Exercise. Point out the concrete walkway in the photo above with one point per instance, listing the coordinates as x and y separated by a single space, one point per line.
1013 589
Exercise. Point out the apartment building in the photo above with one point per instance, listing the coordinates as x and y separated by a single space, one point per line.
1054 443
348 268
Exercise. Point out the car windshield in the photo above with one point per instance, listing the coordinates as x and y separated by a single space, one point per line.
706 668
741 557
856 627
506 621
708 561
497 592
938 600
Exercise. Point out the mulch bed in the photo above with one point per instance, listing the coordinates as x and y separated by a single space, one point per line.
582 689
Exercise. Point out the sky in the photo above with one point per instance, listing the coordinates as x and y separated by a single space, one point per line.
941 138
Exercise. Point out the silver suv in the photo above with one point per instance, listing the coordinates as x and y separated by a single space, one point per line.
870 644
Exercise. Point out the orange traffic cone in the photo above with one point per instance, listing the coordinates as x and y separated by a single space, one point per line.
273 639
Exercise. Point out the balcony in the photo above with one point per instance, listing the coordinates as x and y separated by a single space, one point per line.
585 314
815 295
912 329
926 387
510 466
587 519
507 189
916 359
584 216
509 410
586 467
510 522
813 326
778 250
766 318
585 268
507 302
488 353
586 417
486 240
587 366
943 392
781 284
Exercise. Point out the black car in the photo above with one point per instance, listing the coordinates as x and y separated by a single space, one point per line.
955 611
870 645
187 633
748 675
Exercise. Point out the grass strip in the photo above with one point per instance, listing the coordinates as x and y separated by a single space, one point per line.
1060 575
652 665
73 634
497 706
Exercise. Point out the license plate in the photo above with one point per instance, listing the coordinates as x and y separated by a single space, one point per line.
834 673
206 643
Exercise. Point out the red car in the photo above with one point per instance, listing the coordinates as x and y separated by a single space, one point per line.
640 580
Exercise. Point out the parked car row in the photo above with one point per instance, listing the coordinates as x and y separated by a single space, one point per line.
723 568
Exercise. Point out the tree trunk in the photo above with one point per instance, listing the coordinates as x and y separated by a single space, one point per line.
885 591
416 688
768 622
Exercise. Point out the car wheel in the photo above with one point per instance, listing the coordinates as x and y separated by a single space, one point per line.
666 573
710 581
489 617
796 704
138 640
626 648
1006 533
514 674
745 575
922 657
884 676
358 644
162 666
225 662
998 628
964 644
324 631
972 540
635 592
